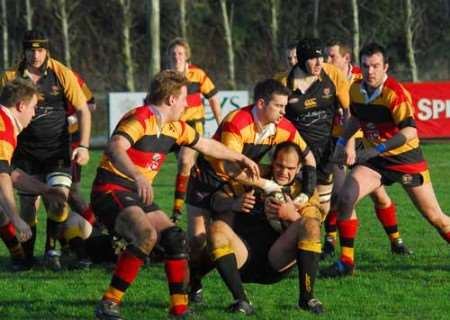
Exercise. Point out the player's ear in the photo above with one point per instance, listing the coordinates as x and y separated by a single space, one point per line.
386 67
20 106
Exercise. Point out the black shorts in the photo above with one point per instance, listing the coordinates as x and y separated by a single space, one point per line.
258 236
388 176
41 165
202 184
107 205
324 167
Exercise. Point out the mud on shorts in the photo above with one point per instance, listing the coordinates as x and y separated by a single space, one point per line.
258 237
108 204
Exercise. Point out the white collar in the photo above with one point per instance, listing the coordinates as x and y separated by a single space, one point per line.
262 132
17 124
375 94
158 116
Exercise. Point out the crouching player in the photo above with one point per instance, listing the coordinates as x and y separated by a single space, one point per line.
122 194
246 248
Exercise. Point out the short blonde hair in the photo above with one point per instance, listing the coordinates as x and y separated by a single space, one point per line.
182 43
165 84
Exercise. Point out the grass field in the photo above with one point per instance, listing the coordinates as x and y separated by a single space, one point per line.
384 287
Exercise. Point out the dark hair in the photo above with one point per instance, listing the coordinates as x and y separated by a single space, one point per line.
288 146
165 84
34 39
267 88
372 48
292 45
16 91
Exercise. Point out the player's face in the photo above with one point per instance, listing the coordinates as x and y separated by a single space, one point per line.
314 66
291 57
35 57
373 69
178 58
179 103
285 167
27 111
275 109
335 57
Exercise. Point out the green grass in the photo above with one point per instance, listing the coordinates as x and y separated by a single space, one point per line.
384 287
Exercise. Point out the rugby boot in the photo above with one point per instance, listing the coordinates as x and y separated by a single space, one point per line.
108 310
398 247
241 306
195 292
312 305
337 270
52 260
329 246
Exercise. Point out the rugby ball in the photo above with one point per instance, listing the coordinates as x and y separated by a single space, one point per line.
277 224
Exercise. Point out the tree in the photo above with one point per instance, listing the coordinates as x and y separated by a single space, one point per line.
63 12
128 62
355 25
155 59
229 42
274 6
183 22
316 18
29 14
409 34
4 34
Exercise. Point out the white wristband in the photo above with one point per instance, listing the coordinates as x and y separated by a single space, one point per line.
301 198
270 186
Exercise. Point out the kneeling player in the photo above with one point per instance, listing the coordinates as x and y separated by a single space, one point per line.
245 246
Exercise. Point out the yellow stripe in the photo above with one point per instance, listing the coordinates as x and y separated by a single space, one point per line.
59 216
71 233
348 252
426 176
306 245
178 299
113 294
221 252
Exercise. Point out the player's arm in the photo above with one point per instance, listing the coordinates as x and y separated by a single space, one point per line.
9 208
352 125
215 149
81 154
117 153
223 202
215 108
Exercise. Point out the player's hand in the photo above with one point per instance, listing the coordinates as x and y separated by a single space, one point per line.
251 167
23 230
271 207
246 202
350 152
80 155
288 211
54 199
367 154
144 188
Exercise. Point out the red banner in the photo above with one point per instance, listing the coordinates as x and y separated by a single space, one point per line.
432 103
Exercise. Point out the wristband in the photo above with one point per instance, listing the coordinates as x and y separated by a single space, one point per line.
270 186
381 148
341 142
83 146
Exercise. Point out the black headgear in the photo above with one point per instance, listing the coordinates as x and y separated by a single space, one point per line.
34 39
307 49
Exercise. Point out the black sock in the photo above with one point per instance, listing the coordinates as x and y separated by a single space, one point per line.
28 246
308 264
52 235
227 267
79 247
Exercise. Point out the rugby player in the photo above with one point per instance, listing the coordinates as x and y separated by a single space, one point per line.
340 55
250 250
291 61
383 109
18 101
122 192
252 130
200 84
43 148
318 89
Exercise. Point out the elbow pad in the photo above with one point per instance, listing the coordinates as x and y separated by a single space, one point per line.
309 180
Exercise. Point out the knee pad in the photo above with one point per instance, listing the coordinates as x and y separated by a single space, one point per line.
174 243
76 226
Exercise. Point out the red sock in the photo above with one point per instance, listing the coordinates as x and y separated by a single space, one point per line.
388 218
181 185
347 234
89 215
330 221
177 273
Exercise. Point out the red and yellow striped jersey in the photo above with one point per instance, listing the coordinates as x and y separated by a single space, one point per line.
382 118
238 132
150 145
8 139
199 84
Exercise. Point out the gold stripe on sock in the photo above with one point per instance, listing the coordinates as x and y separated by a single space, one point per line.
221 252
306 245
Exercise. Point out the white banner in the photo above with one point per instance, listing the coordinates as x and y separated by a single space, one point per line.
122 102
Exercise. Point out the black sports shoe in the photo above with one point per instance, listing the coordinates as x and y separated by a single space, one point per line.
195 292
329 246
241 306
312 305
337 270
52 260
399 248
107 310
